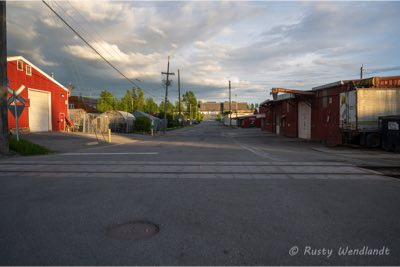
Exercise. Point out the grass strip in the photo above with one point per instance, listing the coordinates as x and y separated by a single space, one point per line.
27 148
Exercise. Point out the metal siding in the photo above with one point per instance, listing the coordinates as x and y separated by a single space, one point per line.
325 121
375 102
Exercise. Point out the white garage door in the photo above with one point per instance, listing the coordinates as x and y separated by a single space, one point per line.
39 111
304 120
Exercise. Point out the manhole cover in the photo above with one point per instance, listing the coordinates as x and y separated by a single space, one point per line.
133 230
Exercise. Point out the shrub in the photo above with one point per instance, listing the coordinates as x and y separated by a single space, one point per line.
143 124
170 118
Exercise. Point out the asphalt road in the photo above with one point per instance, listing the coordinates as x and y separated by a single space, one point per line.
219 196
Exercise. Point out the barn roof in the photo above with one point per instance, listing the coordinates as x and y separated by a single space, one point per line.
14 58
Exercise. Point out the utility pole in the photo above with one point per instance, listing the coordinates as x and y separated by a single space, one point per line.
230 103
190 113
361 71
179 94
236 106
4 149
166 94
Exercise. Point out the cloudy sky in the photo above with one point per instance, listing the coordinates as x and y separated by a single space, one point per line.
257 45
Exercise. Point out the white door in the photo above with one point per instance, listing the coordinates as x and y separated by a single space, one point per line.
304 120
39 111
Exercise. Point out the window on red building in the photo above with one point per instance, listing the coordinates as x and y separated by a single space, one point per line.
28 70
20 65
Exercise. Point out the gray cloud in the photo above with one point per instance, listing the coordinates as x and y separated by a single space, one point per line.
257 45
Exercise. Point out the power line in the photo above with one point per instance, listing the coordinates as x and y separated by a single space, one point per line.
117 53
84 30
88 44
75 71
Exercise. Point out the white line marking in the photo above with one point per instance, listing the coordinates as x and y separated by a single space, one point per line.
253 150
109 153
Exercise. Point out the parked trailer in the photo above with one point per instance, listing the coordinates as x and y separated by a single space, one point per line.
360 109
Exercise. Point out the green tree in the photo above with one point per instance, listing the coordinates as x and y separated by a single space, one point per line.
140 101
177 107
126 103
150 106
172 122
170 108
134 96
191 105
107 101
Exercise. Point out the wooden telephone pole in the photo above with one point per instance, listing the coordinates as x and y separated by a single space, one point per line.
3 81
230 107
361 71
167 83
179 94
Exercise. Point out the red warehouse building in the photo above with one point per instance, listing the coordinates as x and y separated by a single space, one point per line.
246 121
288 114
335 113
348 111
46 107
283 115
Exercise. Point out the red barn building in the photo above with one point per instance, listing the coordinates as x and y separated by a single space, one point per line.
46 107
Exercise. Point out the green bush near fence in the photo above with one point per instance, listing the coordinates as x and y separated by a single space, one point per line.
143 124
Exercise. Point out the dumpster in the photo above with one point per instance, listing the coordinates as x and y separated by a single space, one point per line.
389 127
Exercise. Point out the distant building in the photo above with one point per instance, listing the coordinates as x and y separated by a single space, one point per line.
239 107
81 102
212 109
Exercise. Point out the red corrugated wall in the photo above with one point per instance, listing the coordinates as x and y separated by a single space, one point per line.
283 113
246 122
288 118
59 96
270 119
263 121
325 115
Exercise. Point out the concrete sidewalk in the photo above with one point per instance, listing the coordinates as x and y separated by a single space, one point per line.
61 142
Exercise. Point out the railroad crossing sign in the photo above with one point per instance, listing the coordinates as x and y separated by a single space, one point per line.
15 95
17 108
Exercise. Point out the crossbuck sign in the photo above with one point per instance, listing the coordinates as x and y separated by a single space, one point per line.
15 96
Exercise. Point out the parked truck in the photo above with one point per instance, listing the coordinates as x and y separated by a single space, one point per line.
360 109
